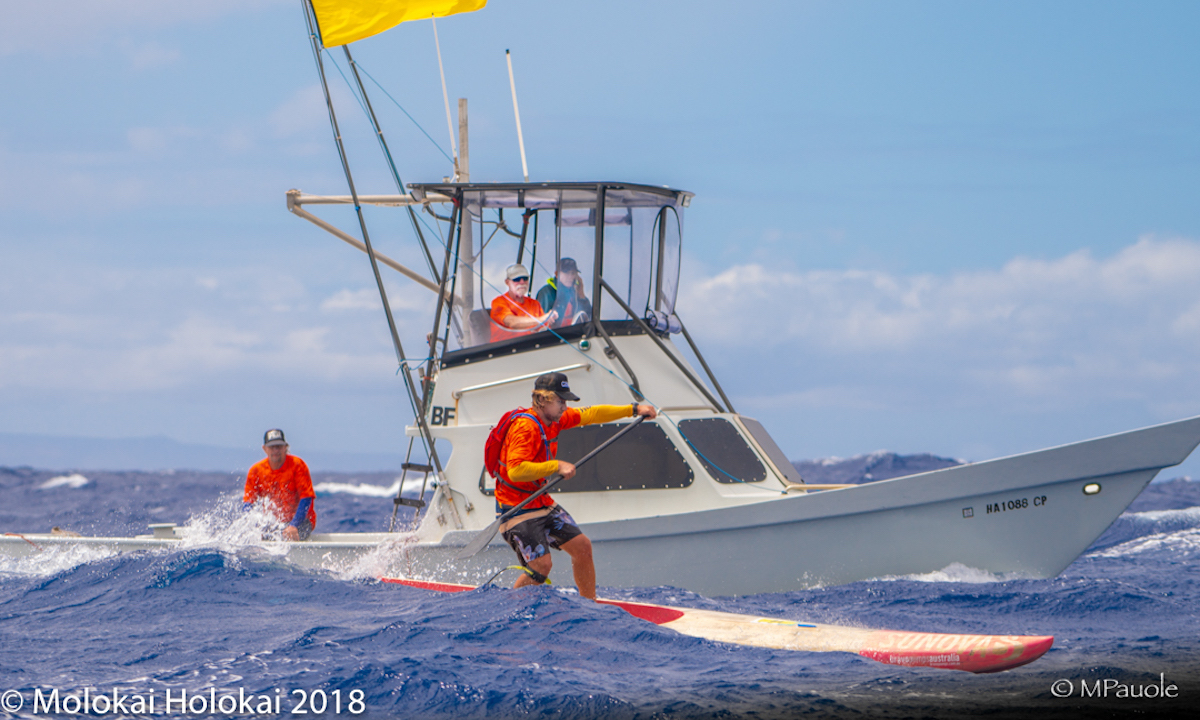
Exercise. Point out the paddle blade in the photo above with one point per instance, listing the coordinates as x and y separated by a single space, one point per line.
479 542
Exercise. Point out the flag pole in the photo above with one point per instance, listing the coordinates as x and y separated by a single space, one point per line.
445 98
517 112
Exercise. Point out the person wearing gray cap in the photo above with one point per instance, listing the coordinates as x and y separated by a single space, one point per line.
283 482
515 313
563 294
527 460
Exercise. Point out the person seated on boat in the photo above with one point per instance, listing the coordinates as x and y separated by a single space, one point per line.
563 294
515 313
527 459
284 484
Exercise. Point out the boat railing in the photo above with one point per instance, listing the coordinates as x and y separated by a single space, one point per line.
519 378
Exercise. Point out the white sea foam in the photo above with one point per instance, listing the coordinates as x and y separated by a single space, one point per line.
74 480
366 489
228 528
1177 545
959 573
53 559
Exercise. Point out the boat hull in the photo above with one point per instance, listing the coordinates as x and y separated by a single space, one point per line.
1026 515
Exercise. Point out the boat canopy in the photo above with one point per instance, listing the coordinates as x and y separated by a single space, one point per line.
551 229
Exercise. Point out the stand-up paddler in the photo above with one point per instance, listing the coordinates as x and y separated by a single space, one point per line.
527 459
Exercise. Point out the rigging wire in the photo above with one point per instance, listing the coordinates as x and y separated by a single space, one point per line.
410 117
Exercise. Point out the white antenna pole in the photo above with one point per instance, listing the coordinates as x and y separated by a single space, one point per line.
446 99
517 112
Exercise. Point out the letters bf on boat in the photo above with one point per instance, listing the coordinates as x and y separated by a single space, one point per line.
701 498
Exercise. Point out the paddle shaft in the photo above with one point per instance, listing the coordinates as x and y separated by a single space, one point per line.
485 536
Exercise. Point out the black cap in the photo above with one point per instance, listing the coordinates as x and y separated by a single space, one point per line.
557 384
274 437
567 265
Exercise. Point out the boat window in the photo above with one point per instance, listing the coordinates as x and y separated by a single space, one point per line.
641 460
551 230
722 450
646 459
772 450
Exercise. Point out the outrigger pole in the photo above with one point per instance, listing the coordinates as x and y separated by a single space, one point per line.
417 404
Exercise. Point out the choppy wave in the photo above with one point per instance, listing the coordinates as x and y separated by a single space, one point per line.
959 573
1176 545
1130 526
220 611
412 485
74 480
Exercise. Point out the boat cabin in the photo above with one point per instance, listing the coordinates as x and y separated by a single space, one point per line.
617 271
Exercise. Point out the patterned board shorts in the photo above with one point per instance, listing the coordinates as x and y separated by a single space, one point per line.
534 537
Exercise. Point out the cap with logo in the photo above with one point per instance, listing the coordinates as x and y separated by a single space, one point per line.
556 383
274 437
516 271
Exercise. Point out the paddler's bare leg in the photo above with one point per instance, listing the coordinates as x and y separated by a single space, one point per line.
538 565
580 550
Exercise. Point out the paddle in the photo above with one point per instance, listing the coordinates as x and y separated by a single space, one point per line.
485 536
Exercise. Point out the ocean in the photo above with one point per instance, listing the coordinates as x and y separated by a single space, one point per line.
222 629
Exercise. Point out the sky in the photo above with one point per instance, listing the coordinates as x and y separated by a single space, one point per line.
968 229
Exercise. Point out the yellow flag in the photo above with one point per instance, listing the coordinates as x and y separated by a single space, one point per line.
344 21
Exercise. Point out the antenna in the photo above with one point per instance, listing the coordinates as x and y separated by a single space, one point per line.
517 112
446 99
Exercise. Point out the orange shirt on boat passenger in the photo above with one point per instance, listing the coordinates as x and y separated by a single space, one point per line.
285 487
506 305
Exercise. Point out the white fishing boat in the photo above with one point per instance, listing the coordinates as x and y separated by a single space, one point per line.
701 498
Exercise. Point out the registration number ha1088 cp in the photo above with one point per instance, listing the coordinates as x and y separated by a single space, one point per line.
1018 504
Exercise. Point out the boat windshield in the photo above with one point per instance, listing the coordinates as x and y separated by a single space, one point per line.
550 230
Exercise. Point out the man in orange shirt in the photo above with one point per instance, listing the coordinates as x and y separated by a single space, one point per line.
527 459
283 481
515 313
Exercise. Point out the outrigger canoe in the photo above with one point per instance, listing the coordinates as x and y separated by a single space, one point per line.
972 653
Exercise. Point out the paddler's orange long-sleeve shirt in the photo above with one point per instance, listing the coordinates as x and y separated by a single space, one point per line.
285 487
526 461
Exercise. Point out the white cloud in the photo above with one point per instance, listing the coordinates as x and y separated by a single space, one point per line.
364 299
368 299
1077 324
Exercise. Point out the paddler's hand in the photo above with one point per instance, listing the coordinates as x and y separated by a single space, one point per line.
291 533
647 411
566 469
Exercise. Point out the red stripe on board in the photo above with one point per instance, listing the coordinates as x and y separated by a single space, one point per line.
427 585
656 614
973 653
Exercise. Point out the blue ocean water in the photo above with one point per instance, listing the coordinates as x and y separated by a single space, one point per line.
224 622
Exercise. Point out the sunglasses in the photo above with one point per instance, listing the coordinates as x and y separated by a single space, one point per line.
523 278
